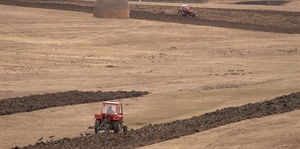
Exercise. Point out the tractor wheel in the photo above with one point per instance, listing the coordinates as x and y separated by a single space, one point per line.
118 128
97 125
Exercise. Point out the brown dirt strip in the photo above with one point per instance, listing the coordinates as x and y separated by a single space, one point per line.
87 7
215 23
175 1
152 134
266 2
37 102
256 20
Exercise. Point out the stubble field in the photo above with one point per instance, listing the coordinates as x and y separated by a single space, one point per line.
188 69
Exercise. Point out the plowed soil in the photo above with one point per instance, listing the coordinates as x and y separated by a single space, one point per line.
261 20
161 132
37 102
192 70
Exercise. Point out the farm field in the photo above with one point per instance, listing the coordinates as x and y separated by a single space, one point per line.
188 69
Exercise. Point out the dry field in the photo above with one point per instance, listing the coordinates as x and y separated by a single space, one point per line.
189 70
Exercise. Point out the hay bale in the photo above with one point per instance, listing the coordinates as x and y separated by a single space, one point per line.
112 9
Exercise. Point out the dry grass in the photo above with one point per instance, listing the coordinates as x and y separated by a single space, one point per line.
189 69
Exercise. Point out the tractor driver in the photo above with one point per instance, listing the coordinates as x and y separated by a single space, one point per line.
110 111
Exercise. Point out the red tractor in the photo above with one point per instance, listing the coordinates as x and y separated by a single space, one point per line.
110 118
186 11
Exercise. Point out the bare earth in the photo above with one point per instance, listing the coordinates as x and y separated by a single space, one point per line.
190 70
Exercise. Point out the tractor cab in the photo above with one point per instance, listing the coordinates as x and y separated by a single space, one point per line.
184 7
112 108
110 118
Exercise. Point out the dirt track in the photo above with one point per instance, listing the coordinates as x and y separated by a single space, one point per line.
261 20
161 132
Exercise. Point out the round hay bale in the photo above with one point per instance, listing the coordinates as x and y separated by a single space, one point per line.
112 9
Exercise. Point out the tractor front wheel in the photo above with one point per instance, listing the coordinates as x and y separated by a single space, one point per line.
97 125
118 127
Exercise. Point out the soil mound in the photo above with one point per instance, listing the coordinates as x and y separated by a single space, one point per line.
161 132
37 102
112 9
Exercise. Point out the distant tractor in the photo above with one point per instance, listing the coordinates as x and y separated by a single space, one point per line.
110 118
186 11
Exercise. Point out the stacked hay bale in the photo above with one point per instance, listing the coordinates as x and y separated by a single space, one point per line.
112 9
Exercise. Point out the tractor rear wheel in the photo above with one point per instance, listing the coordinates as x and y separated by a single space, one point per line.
97 125
118 127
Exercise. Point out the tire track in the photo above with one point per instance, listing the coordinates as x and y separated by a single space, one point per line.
16 34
